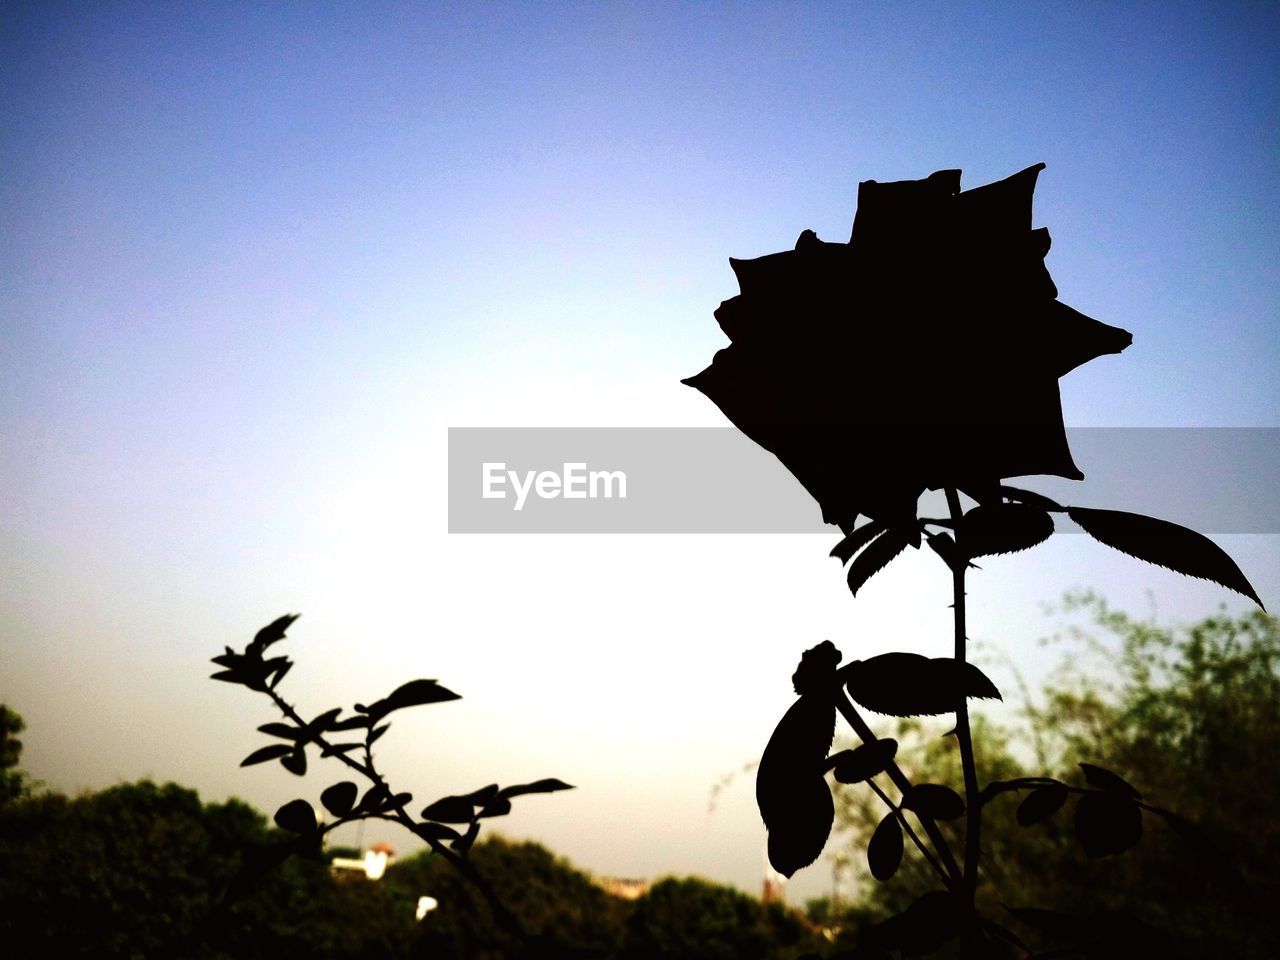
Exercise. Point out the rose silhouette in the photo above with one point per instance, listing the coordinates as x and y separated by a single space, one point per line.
923 353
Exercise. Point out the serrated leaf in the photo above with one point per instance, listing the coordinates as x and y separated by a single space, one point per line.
296 816
1107 823
1164 544
996 528
865 761
908 684
548 785
282 730
884 852
1041 804
791 791
875 558
262 755
846 548
1106 780
340 798
933 800
450 810
273 631
295 762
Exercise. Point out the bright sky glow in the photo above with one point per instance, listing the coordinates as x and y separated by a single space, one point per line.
256 259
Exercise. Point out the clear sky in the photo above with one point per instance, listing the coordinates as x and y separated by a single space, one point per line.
256 258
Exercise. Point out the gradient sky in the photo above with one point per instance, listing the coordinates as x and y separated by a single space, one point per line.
256 258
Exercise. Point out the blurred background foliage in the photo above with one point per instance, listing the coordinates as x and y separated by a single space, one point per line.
1189 715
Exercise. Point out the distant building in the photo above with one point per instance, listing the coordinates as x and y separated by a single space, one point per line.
373 864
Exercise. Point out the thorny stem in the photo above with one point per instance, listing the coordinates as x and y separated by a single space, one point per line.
973 806
951 876
463 866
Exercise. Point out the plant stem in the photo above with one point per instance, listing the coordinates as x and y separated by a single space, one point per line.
973 805
951 877
911 834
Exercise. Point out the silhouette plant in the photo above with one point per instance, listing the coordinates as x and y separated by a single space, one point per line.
923 354
449 825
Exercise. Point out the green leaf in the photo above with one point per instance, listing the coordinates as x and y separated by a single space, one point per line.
549 785
846 548
865 761
884 852
272 752
1164 544
296 816
933 800
875 558
908 684
1041 804
1107 823
997 528
1106 780
340 798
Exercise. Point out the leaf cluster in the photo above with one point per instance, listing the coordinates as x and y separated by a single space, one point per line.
449 825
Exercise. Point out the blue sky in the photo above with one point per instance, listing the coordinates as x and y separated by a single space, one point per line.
257 258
